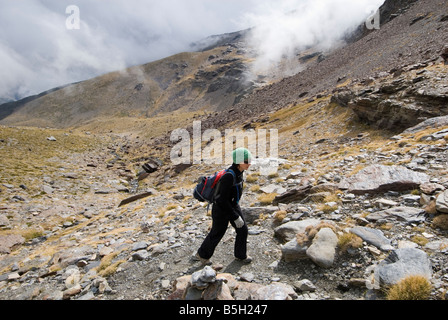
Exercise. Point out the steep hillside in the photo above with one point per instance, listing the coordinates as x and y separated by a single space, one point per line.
189 82
417 35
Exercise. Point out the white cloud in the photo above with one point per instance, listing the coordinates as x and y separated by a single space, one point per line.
287 26
38 52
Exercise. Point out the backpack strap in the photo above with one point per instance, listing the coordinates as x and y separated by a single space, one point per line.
237 185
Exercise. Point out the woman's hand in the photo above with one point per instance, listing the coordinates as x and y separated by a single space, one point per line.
239 223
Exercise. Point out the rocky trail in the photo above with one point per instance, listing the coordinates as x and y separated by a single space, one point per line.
383 193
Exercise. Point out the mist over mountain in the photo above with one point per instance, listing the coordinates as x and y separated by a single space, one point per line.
39 52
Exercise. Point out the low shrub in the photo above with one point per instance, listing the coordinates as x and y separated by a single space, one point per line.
410 288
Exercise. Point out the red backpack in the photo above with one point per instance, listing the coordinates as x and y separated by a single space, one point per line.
207 190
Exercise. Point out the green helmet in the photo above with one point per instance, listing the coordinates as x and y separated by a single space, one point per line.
241 155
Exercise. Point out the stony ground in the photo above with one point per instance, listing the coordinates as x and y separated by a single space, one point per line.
63 236
75 243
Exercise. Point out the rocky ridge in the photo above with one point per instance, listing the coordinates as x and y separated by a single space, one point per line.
413 35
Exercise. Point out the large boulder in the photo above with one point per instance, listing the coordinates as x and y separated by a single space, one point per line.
288 231
380 178
323 249
400 264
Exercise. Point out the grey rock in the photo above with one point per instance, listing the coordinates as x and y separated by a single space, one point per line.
247 276
201 279
439 135
277 291
431 188
323 249
140 255
47 189
293 195
292 251
379 178
8 242
435 122
141 245
442 202
193 293
73 291
289 230
402 263
373 236
4 221
273 188
253 213
71 256
305 285
438 245
406 214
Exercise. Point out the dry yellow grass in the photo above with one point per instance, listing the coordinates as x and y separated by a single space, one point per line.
106 267
440 222
252 178
26 154
349 240
266 199
280 215
410 288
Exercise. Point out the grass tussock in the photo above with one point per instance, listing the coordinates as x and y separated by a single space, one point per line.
266 199
349 241
420 240
440 222
107 267
279 216
410 288
252 178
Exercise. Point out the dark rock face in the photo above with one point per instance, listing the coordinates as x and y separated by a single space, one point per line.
397 103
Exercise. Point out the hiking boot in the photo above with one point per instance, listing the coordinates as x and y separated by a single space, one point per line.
196 257
245 261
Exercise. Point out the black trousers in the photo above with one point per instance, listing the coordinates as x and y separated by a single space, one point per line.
219 228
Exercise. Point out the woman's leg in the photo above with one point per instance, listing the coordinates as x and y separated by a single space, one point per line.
241 241
219 228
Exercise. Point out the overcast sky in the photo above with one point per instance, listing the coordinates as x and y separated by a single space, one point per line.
46 43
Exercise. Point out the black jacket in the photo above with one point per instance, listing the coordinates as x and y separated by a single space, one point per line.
227 204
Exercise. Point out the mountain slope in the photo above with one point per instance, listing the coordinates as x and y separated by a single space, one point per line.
419 34
211 80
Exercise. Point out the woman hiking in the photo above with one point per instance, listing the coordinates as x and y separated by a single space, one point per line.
226 209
